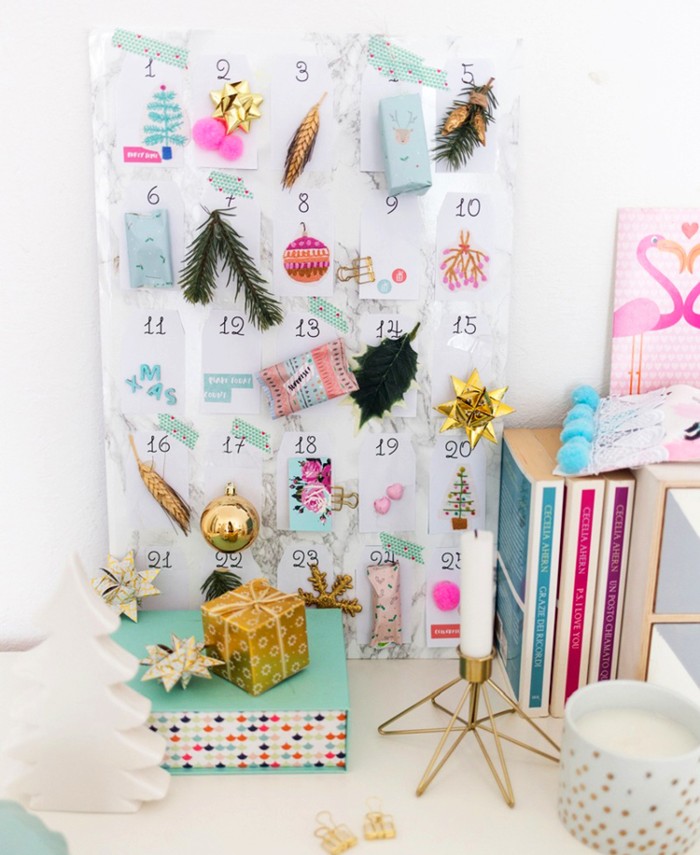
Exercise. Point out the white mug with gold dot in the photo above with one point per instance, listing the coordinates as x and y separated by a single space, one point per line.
630 769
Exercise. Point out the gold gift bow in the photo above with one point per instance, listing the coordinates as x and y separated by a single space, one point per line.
257 600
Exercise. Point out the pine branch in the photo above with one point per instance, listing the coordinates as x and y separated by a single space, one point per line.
218 583
198 276
464 126
263 309
384 374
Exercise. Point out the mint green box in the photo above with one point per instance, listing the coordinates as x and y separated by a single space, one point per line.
404 145
213 727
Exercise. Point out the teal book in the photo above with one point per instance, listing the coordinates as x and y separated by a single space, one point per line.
529 540
213 727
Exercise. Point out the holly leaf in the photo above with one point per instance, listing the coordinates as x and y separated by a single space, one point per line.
384 374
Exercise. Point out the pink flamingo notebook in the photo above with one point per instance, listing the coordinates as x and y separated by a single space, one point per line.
656 317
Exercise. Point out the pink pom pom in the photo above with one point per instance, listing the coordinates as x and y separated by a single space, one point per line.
208 133
446 596
232 147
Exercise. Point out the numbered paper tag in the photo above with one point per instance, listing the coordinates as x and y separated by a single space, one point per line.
389 231
442 622
303 243
373 329
173 581
387 488
293 570
364 621
300 332
232 460
464 341
460 74
152 376
152 129
151 235
296 445
169 459
374 88
244 218
231 359
457 485
466 240
211 73
242 564
309 483
299 82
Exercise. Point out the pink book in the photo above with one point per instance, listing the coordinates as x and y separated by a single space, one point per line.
583 507
612 572
656 312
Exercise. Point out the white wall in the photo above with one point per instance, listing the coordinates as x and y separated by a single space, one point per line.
610 117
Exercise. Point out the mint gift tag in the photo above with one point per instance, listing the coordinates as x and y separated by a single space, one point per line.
148 249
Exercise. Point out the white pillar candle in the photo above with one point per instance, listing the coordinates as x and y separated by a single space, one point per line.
636 732
476 598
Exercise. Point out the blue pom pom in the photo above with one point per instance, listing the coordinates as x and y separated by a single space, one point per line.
579 411
573 456
585 395
578 427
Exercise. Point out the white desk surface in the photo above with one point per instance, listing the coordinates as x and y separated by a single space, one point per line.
462 810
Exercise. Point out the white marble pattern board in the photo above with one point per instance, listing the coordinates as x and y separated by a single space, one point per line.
167 363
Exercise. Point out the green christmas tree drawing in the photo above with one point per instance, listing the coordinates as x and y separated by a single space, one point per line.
460 503
166 115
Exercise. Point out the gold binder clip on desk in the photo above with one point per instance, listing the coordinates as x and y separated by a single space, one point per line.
340 499
361 270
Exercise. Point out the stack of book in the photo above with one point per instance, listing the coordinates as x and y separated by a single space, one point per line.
562 558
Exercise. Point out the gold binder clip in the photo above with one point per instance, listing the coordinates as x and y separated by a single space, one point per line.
335 838
361 270
378 825
340 499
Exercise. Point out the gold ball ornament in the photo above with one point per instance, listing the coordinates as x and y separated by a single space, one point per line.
230 523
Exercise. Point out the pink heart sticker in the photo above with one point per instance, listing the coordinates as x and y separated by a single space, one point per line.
381 506
395 491
689 229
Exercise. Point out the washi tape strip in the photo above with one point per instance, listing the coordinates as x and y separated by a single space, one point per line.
400 64
153 49
330 313
178 429
242 429
231 185
402 548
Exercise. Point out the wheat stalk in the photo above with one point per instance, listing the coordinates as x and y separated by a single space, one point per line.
302 145
172 503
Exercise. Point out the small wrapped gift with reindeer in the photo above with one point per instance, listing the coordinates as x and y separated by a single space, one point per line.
405 145
259 633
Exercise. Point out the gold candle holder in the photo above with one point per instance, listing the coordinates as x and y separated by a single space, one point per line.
477 675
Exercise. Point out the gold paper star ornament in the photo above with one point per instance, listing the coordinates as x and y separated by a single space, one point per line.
474 408
236 105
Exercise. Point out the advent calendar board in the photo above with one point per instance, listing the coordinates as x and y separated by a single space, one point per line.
183 380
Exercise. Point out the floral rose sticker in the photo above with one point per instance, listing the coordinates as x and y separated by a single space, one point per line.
310 485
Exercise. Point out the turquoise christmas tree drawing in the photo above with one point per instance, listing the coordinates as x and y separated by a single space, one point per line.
166 115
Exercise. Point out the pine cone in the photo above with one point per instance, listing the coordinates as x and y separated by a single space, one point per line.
455 120
479 125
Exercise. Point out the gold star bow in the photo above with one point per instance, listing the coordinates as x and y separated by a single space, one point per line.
180 662
236 105
123 587
474 408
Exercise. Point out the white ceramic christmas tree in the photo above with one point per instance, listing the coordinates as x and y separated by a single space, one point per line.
82 739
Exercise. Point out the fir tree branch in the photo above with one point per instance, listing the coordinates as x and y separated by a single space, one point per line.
456 146
263 309
219 582
198 276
